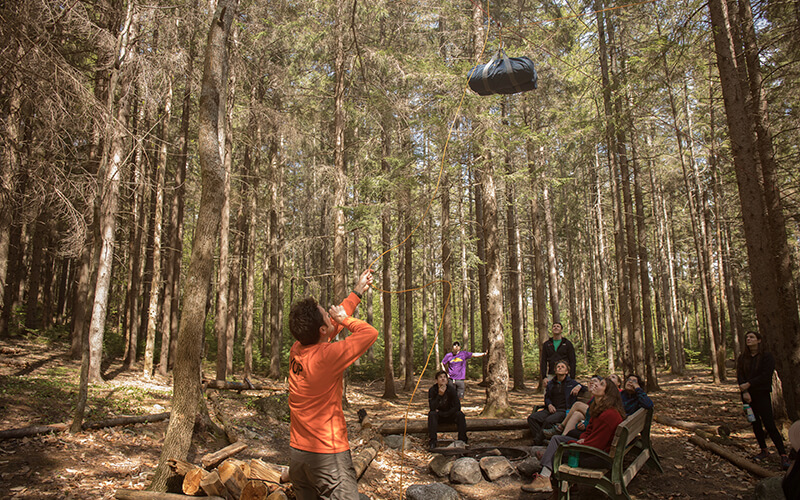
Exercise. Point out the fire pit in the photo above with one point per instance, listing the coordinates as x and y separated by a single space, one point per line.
512 454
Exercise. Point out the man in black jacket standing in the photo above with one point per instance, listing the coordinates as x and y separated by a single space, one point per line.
554 350
445 407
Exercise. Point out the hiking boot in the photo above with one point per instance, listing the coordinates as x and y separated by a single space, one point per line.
540 484
432 446
548 433
761 456
785 462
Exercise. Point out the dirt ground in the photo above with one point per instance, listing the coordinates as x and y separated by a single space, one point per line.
38 384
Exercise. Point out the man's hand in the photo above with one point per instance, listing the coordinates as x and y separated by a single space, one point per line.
544 382
746 397
442 389
364 281
478 354
551 408
744 386
337 314
575 390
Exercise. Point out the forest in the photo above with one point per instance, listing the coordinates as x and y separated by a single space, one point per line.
175 174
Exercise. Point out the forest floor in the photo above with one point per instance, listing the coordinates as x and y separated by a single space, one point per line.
38 383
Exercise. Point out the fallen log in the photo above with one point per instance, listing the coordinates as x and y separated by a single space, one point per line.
230 432
364 457
473 424
111 422
692 426
239 386
136 419
218 456
733 458
125 494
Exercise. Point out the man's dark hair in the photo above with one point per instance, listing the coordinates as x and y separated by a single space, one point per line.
558 323
436 377
305 320
457 343
637 377
562 362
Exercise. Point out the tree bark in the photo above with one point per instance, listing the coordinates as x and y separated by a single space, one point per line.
276 263
386 264
187 397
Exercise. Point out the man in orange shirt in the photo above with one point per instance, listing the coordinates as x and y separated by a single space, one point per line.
320 465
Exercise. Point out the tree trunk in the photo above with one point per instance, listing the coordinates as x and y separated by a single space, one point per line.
447 260
408 298
187 396
497 367
339 166
386 267
224 271
764 247
155 286
276 262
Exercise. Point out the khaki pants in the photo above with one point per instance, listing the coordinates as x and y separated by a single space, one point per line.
323 475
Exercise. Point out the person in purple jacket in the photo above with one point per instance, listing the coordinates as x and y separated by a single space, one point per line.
455 364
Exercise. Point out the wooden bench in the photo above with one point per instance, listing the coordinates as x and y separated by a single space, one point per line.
631 438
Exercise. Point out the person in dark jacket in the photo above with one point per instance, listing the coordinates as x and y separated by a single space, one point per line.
754 371
559 396
633 396
444 407
555 349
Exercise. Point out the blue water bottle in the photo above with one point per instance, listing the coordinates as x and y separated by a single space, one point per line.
572 459
748 412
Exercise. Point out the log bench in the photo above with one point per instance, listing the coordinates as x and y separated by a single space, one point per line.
632 438
420 426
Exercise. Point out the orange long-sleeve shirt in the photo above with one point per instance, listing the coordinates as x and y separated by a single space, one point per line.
315 385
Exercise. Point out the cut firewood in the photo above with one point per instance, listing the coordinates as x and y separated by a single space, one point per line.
733 458
218 456
192 480
180 467
254 490
264 471
239 386
232 476
277 495
473 424
125 494
213 486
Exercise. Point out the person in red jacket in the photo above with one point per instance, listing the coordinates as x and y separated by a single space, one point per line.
607 413
320 465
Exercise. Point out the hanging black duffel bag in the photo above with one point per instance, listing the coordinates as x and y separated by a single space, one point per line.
503 75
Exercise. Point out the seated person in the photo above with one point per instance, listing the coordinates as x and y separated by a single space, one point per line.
607 406
560 394
617 381
576 417
444 407
633 396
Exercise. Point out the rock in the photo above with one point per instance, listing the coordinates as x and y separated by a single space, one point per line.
457 444
275 406
494 453
527 467
496 467
396 441
769 489
441 465
362 496
466 471
435 491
